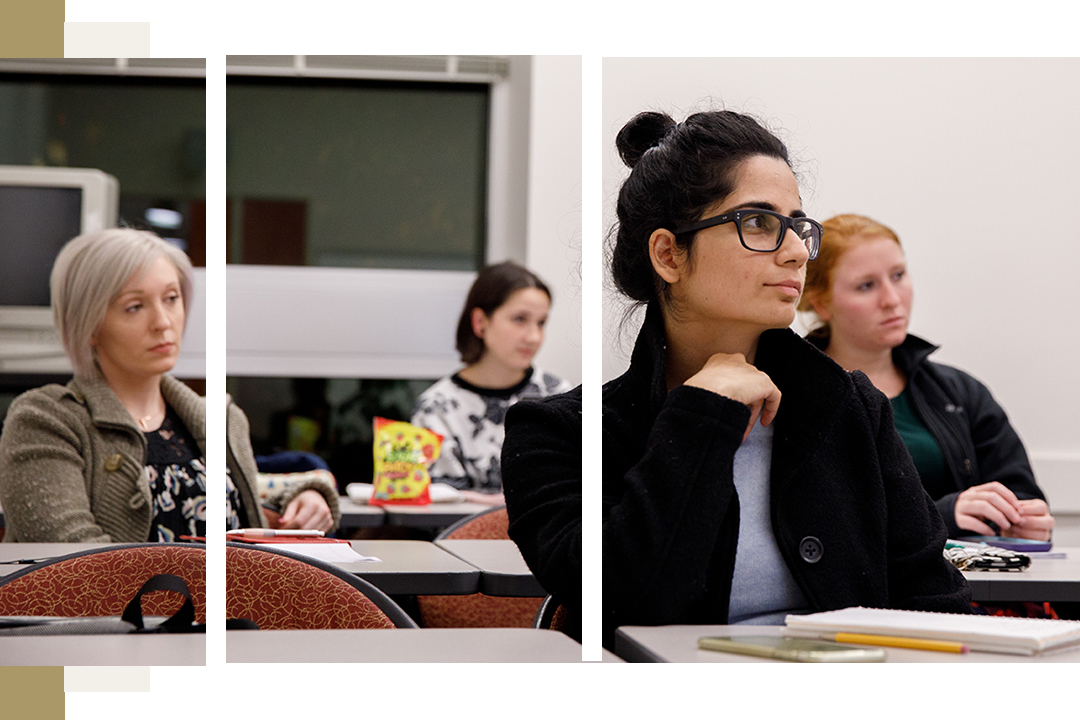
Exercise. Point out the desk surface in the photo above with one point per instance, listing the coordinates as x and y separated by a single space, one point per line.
164 649
407 567
354 514
678 643
431 516
413 567
490 645
1046 580
503 572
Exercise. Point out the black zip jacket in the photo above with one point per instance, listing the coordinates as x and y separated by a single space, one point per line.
975 436
849 513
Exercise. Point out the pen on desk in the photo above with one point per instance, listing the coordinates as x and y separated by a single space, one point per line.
262 532
901 642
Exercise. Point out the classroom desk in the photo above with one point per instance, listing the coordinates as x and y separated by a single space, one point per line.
413 567
678 643
1045 580
435 515
127 650
503 572
489 645
357 515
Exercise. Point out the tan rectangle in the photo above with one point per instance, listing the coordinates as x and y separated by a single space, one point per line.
33 29
32 692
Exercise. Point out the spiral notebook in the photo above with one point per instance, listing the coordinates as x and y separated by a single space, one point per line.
1017 636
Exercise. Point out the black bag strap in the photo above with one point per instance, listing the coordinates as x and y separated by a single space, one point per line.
183 620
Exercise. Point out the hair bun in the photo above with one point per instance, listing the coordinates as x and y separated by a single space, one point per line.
643 132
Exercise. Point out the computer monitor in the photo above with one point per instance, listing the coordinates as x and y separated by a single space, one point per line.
41 208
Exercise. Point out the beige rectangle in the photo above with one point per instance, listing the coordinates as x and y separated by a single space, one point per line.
106 39
107 679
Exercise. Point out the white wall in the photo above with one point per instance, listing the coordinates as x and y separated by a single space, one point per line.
972 161
553 239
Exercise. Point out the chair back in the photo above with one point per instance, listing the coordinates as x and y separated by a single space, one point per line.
102 581
550 616
493 524
477 610
282 591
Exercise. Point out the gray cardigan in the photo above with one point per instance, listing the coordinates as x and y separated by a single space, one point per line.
72 463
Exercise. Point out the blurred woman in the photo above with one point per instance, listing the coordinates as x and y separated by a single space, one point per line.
969 458
118 454
499 332
746 475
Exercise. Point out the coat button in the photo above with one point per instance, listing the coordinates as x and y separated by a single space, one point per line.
810 549
113 462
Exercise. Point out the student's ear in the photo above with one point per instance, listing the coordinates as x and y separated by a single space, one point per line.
479 322
668 260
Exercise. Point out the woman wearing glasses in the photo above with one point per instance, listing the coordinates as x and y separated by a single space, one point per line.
970 459
746 475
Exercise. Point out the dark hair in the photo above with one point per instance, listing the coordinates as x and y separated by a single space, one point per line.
489 291
676 171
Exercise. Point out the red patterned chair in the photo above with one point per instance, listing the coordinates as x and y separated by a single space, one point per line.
442 611
282 591
102 581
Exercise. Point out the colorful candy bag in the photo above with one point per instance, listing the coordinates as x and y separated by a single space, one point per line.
402 455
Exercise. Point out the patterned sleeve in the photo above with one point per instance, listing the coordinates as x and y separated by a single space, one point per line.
432 412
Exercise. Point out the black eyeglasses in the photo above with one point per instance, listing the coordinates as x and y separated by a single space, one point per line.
763 230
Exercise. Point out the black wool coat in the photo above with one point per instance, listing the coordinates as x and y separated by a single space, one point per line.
848 510
541 470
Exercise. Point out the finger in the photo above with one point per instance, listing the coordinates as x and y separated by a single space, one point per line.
987 509
287 517
1008 508
972 523
1005 493
1028 533
1037 522
755 410
772 405
1034 507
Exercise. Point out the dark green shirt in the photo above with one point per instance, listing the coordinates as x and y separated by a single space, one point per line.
924 449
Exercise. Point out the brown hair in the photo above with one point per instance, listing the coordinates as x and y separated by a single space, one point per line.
840 234
492 287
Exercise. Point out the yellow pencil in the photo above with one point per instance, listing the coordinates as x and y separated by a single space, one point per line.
900 642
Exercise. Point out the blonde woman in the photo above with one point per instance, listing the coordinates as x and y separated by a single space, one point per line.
118 454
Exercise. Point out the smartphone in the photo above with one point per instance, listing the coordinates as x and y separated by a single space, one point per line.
1008 543
791 648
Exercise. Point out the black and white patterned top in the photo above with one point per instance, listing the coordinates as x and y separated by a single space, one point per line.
178 483
470 419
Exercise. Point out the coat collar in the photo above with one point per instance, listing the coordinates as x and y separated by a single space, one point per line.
809 380
907 356
106 409
815 389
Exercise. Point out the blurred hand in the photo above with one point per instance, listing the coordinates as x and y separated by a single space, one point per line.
991 502
733 377
1036 522
307 511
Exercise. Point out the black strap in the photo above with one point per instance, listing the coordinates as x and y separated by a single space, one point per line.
183 620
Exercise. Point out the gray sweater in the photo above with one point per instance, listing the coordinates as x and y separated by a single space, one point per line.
73 463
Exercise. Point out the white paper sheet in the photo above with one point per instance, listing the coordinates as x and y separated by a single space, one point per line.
327 552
